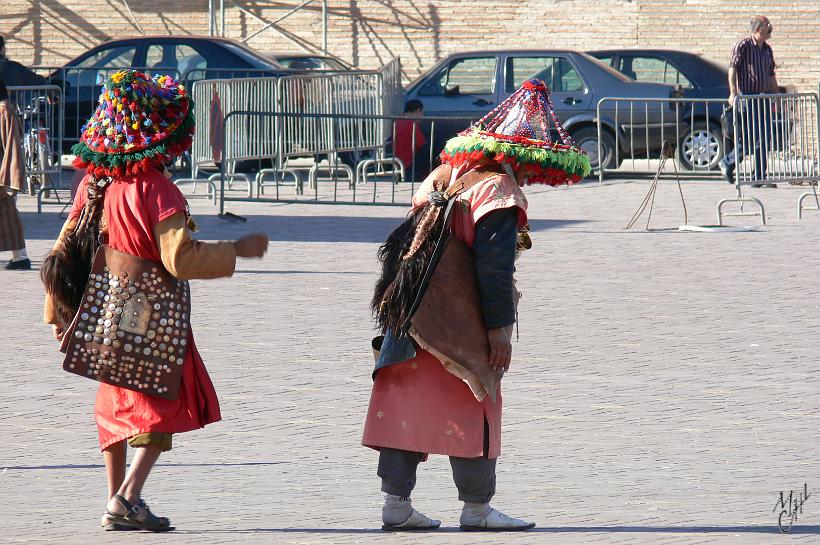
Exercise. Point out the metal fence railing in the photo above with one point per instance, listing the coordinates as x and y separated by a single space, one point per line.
631 132
80 88
319 170
775 141
351 95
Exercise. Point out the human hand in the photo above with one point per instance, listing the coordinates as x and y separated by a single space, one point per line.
58 330
732 98
254 245
500 347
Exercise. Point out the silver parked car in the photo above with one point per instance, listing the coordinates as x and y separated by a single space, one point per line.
467 85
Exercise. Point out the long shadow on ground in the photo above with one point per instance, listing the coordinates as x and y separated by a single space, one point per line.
279 228
802 530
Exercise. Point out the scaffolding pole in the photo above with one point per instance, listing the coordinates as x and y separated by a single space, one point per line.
324 27
219 30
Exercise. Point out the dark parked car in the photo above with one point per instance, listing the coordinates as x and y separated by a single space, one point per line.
701 144
186 57
468 85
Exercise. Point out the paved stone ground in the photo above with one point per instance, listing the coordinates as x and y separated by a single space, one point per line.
664 389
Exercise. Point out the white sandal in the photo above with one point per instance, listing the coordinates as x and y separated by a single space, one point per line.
496 521
415 522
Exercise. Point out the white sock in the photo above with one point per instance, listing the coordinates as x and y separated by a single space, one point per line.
474 513
396 509
19 255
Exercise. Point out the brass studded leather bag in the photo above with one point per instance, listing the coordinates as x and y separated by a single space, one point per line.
132 327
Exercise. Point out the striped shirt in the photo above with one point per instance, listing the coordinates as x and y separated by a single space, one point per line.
754 65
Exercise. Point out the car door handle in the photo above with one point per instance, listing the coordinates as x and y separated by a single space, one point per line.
482 102
571 101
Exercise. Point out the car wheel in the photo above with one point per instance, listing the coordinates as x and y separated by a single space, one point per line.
701 149
586 138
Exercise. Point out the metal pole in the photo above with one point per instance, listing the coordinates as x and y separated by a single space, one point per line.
222 18
324 27
210 17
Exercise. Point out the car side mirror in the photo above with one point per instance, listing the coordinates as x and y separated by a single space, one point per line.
451 90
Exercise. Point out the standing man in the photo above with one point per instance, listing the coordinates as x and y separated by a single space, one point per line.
433 389
751 72
14 73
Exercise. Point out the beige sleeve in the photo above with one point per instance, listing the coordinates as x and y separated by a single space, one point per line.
49 311
186 258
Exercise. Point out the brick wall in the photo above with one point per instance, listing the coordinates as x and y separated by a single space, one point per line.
368 32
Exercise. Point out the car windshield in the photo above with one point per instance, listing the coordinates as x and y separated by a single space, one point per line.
311 63
257 61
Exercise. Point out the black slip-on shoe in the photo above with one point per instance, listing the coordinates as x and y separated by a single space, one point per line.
19 265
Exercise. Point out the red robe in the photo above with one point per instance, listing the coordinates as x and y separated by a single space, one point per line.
418 405
133 206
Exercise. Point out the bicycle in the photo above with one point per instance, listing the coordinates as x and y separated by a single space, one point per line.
37 146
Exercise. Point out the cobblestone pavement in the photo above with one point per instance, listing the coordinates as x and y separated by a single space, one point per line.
664 389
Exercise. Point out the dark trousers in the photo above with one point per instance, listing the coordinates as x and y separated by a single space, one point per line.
754 132
474 477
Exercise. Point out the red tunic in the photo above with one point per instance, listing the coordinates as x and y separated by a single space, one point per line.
418 405
133 206
404 146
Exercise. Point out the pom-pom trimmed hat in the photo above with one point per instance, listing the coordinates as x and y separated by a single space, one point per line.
140 123
518 132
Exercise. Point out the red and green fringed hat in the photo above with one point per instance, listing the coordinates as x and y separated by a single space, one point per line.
517 132
140 123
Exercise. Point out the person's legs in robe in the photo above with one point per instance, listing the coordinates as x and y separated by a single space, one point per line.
126 505
475 480
397 469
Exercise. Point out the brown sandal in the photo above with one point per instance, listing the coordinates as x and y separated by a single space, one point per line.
152 523
109 525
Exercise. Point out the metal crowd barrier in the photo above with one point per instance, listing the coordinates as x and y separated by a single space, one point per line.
775 141
40 109
370 92
351 95
318 170
631 132
774 137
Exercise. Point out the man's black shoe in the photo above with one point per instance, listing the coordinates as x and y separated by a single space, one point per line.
19 265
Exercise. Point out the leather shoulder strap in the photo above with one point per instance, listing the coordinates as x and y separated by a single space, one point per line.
470 179
462 184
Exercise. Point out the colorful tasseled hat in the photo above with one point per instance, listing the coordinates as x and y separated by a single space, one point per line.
140 123
517 132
